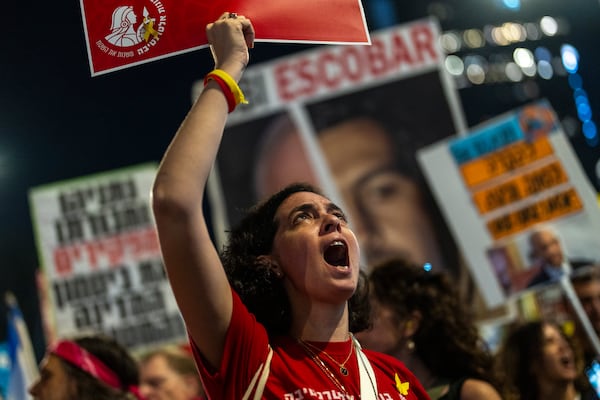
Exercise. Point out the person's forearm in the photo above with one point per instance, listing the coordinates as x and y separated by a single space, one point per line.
182 175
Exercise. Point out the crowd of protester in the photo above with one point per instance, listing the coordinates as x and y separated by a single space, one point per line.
290 309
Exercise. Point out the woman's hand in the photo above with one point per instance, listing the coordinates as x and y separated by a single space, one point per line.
230 37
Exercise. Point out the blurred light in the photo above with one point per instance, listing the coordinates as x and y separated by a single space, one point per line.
473 38
476 74
575 81
487 34
427 267
580 96
549 26
529 71
523 57
498 37
512 4
543 54
589 130
514 32
513 72
450 42
584 112
533 33
570 58
545 70
454 65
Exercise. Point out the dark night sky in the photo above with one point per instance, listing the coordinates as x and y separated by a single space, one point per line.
56 122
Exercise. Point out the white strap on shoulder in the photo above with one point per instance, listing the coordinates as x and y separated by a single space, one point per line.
259 380
368 383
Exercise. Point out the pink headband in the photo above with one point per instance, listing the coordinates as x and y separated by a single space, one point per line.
86 361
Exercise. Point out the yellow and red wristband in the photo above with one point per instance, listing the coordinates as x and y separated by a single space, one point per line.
229 87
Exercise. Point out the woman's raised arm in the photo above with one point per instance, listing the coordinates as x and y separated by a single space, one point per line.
191 260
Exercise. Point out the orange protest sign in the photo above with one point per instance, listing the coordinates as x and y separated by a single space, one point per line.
518 188
541 211
502 161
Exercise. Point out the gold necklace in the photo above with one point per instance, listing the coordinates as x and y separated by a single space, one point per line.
322 366
343 369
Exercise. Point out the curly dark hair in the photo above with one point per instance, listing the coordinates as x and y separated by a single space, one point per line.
114 356
522 349
405 288
257 285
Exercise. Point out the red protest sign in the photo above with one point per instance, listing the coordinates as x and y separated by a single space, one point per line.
123 33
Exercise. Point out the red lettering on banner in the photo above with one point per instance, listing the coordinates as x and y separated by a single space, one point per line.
113 249
330 68
280 72
62 260
422 38
377 58
353 66
305 74
400 52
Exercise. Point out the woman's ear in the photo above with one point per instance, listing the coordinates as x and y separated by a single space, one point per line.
411 326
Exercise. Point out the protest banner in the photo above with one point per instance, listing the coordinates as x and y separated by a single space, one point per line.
99 251
122 34
508 178
348 119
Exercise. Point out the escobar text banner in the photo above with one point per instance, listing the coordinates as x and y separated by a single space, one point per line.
282 136
121 34
100 254
509 176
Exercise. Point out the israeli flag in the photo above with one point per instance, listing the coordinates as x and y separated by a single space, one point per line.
23 367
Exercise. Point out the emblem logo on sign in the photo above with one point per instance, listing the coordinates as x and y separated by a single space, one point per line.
131 35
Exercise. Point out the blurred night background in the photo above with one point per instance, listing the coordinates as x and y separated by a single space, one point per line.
57 123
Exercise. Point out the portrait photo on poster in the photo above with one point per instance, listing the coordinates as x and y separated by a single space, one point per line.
367 141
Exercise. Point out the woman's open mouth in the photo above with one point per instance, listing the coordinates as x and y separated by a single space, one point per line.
336 254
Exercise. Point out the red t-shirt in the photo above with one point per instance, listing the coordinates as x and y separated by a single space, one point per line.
293 374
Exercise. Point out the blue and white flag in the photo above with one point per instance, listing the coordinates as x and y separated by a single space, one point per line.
23 366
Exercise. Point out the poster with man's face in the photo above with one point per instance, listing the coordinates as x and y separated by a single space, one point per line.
348 119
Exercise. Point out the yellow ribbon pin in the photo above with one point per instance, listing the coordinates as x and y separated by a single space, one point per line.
149 27
402 387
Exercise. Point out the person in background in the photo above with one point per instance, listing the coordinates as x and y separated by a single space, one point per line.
285 294
586 285
548 256
419 318
169 373
94 367
536 361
